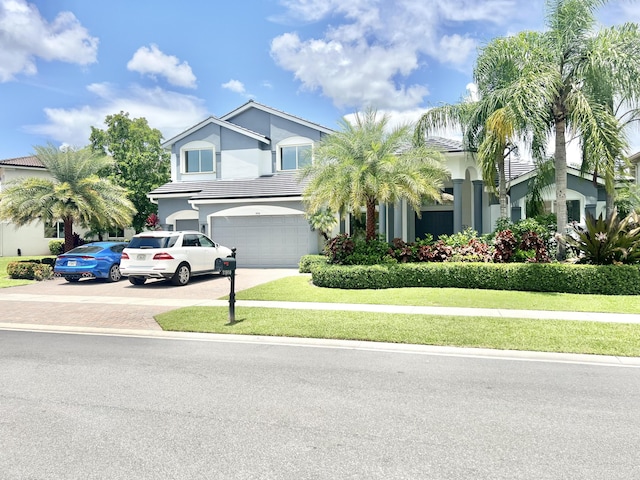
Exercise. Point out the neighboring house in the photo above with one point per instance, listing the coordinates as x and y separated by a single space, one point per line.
30 239
33 238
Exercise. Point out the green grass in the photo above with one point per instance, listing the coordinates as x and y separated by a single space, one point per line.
5 281
300 289
479 332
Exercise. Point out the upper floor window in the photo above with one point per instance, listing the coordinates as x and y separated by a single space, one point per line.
197 161
294 157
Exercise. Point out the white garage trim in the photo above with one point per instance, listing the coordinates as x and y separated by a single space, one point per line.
250 210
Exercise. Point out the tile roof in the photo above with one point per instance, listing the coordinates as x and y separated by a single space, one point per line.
282 184
30 161
446 145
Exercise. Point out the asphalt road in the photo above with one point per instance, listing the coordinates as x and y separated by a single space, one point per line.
108 407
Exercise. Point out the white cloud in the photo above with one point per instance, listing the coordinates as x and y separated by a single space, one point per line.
235 86
169 112
152 61
26 37
373 46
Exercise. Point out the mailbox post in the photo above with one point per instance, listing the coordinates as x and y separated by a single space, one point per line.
227 266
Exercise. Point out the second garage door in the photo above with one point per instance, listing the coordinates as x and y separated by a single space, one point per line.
266 241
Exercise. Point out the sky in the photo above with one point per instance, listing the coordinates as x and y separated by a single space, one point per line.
67 64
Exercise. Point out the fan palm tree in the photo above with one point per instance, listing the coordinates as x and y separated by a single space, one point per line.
557 78
366 163
75 194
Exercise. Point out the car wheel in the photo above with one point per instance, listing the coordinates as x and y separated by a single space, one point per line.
71 279
137 280
182 275
114 273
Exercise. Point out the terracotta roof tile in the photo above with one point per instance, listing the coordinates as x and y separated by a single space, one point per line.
30 161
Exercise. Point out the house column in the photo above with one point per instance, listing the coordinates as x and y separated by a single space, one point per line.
382 219
457 205
590 208
397 220
477 205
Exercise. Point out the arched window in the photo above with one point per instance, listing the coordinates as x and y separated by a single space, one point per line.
294 153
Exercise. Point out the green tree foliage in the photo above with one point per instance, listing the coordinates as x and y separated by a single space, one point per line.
76 194
141 164
366 163
562 80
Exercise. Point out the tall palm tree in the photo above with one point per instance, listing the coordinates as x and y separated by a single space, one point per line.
365 163
489 134
556 78
75 194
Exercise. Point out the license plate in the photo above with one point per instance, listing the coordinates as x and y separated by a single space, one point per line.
140 257
71 263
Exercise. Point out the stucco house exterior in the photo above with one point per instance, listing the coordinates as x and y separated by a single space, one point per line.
30 239
234 178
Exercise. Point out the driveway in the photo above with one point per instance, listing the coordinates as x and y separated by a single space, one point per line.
90 303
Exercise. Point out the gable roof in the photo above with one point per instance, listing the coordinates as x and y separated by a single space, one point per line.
222 123
253 104
28 162
281 184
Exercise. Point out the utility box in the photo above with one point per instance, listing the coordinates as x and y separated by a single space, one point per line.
226 265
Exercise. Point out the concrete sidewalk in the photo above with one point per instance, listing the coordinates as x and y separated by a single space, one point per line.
171 303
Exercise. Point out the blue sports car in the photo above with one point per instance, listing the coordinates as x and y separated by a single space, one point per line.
93 260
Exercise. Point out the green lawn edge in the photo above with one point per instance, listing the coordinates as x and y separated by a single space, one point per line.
298 288
559 336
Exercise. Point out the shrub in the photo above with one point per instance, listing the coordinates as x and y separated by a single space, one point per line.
459 239
22 270
605 241
56 247
308 261
42 272
339 248
536 277
505 246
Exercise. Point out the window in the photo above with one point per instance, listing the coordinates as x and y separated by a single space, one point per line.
200 160
295 157
54 230
115 232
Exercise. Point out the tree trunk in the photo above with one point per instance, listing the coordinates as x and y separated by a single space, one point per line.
610 204
502 186
371 220
68 234
561 184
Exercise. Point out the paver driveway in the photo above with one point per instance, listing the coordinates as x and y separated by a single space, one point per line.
117 305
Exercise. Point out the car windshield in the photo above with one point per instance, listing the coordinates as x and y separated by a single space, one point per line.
84 249
153 242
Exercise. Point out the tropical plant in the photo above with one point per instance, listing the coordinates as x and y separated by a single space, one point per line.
561 81
322 220
606 241
75 194
368 162
487 131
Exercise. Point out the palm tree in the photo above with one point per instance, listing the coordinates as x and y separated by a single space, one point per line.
487 133
366 163
557 78
75 194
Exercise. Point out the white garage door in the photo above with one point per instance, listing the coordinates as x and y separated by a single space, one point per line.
265 241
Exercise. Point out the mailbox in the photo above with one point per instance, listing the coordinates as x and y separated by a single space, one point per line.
225 265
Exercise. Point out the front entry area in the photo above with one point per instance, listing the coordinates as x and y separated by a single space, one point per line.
435 223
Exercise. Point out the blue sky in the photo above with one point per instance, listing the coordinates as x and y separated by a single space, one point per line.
67 64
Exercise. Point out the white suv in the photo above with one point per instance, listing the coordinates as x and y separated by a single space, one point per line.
172 255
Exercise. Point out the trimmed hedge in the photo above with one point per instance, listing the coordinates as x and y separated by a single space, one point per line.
307 262
533 277
30 270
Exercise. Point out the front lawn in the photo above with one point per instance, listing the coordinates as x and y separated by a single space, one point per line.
479 332
300 289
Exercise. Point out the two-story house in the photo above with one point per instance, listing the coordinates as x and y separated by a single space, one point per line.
235 178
